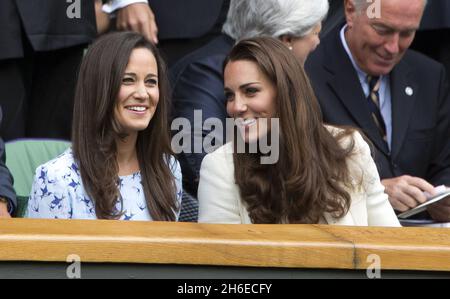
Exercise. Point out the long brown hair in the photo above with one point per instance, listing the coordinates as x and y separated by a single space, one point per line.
95 130
311 174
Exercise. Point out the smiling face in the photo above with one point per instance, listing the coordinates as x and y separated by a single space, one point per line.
139 93
250 98
378 44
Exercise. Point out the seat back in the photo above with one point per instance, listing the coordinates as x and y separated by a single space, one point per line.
23 157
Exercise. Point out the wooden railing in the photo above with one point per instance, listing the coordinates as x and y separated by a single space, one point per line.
281 246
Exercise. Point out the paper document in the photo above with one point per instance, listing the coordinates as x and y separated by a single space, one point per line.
442 192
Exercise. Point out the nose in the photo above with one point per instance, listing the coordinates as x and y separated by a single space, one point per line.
141 92
392 45
238 106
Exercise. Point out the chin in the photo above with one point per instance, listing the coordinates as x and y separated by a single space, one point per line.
137 127
251 139
381 69
254 138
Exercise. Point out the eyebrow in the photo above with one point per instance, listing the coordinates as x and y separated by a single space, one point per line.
388 27
248 84
242 86
134 75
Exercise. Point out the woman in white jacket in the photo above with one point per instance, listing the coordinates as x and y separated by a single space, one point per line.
322 174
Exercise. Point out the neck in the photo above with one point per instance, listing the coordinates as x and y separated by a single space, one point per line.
126 155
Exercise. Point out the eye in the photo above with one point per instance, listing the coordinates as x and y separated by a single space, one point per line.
407 34
251 91
382 30
151 82
127 80
229 96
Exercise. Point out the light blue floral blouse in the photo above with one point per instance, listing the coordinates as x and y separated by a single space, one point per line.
58 192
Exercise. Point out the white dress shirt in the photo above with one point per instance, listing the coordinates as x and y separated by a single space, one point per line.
114 5
384 92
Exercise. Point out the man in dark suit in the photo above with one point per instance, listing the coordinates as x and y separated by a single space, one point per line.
184 26
8 202
177 26
41 45
365 76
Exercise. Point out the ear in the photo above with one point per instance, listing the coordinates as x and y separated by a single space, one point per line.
286 40
350 12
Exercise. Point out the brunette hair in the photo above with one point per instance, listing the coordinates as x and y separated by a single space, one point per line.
311 175
95 130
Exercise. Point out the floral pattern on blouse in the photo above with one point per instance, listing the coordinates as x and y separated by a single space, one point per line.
58 193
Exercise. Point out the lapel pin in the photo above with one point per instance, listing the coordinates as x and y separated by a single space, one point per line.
409 91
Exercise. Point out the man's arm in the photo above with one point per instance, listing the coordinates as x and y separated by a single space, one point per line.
440 167
406 192
440 211
102 18
134 15
7 192
4 208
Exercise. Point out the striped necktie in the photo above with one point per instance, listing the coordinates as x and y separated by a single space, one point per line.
374 104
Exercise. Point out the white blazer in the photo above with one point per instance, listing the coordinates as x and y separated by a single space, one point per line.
220 201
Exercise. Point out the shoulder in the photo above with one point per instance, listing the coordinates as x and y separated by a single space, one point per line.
63 166
222 155
174 165
420 60
219 162
359 160
329 47
417 63
58 176
352 136
360 163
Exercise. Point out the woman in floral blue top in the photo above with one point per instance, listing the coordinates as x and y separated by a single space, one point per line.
120 165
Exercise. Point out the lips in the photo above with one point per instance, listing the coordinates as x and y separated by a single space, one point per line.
139 109
246 123
385 60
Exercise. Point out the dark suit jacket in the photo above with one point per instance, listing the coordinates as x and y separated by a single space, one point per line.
421 122
181 19
334 18
436 15
45 24
6 180
197 82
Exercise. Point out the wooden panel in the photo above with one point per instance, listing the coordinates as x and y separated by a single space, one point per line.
401 249
295 246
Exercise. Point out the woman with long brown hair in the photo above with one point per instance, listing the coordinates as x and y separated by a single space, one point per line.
120 165
323 174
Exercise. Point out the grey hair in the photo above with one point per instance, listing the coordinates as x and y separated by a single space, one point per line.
275 18
362 5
